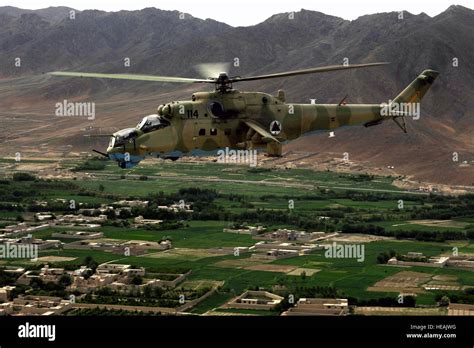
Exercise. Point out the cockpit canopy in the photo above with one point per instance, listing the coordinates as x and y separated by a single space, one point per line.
152 122
122 136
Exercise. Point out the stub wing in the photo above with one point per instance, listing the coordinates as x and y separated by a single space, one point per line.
274 147
266 136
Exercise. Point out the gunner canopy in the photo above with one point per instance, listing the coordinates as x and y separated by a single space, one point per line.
122 136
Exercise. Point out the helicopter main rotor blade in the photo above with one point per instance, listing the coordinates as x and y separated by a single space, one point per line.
132 77
306 71
212 79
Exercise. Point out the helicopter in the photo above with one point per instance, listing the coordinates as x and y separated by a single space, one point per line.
229 118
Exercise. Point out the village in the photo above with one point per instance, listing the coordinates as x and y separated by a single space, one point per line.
81 230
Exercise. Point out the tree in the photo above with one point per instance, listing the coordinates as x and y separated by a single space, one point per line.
65 280
90 263
383 257
148 291
444 301
137 280
23 177
87 274
36 283
303 275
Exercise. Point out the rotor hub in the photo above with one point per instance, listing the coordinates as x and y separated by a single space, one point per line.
223 83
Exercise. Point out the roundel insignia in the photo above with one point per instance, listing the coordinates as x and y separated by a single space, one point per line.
275 127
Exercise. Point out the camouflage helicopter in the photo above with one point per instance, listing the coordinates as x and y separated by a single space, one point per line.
228 118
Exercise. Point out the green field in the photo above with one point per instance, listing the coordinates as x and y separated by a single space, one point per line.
348 275
168 177
239 195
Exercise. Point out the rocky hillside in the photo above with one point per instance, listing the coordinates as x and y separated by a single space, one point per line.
162 42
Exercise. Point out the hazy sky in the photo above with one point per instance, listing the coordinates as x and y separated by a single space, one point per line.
249 12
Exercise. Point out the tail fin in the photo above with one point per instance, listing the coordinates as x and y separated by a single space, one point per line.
417 89
407 103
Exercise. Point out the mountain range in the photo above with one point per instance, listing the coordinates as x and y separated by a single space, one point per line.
159 42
